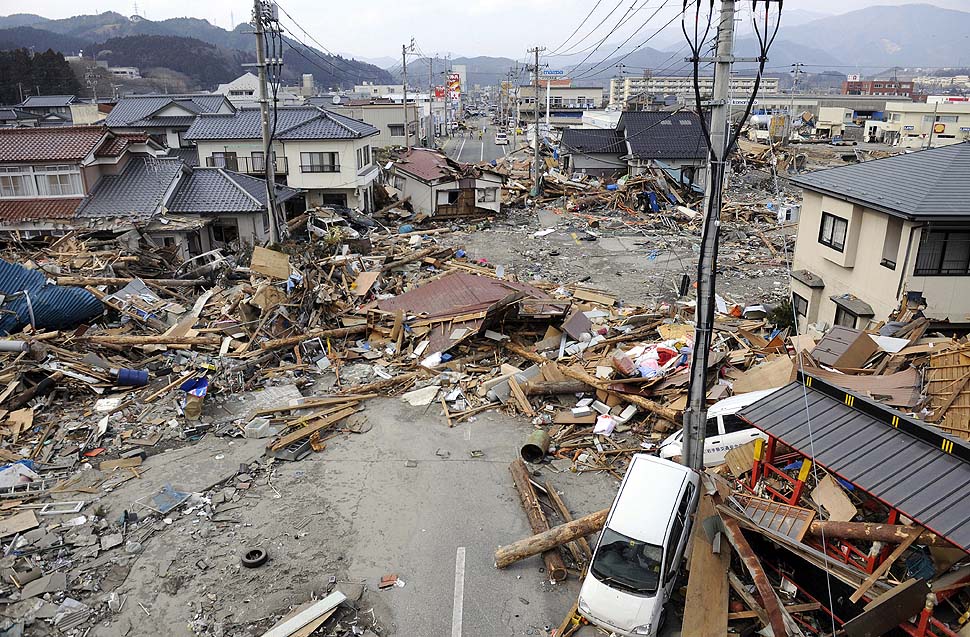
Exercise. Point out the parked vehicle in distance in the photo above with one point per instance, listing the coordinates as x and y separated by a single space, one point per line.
501 139
724 431
638 554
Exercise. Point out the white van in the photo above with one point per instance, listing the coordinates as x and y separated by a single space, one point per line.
501 139
725 430
638 554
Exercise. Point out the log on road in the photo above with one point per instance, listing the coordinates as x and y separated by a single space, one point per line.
556 536
537 519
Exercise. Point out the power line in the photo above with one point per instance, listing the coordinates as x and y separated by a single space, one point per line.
605 37
595 6
580 41
590 71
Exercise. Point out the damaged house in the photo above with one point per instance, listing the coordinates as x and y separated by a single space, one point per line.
437 185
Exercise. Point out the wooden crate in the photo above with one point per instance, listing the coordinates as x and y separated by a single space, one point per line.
948 388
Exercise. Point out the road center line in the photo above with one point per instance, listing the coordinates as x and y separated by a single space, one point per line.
460 148
482 158
468 433
456 614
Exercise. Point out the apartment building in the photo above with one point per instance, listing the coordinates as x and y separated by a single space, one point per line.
917 125
625 89
855 86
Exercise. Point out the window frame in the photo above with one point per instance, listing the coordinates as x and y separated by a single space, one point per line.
795 298
937 269
391 128
839 310
308 164
830 241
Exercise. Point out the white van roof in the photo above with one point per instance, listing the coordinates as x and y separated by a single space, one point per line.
734 404
652 485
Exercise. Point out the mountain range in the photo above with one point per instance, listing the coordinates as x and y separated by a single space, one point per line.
209 54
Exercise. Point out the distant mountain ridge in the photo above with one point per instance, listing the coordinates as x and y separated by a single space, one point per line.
222 52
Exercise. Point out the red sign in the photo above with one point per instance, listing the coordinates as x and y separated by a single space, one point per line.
440 92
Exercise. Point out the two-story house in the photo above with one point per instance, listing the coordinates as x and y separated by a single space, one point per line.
45 173
384 114
873 233
325 154
166 118
52 110
670 140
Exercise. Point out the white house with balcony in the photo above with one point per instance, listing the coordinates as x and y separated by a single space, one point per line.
871 234
325 154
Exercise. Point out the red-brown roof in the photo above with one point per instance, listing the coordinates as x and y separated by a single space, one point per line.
426 164
60 143
116 144
36 209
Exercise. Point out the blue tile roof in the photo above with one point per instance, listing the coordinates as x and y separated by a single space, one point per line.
136 193
137 110
663 135
302 122
208 191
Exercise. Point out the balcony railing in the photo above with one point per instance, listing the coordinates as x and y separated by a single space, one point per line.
248 165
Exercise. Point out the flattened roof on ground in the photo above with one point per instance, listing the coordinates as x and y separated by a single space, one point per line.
214 191
927 184
458 293
301 122
60 143
593 140
663 135
907 464
136 193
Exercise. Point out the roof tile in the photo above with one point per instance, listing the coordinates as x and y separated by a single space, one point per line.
62 143
38 209
663 135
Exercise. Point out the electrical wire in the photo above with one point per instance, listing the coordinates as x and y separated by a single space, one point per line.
605 37
599 64
576 30
593 30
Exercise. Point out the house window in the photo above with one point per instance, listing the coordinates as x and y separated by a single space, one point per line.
225 160
16 181
399 182
800 304
320 162
58 181
257 160
844 317
890 245
367 158
225 230
447 196
832 231
943 252
487 195
396 130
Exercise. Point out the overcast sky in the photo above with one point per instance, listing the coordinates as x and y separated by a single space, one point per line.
377 28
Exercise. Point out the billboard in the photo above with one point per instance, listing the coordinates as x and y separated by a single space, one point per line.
440 92
454 87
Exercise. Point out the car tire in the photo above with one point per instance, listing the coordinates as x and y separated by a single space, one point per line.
254 558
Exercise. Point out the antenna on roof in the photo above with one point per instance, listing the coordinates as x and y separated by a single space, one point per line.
151 164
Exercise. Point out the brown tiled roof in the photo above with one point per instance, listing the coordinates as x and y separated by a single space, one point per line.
60 143
36 209
116 144
425 164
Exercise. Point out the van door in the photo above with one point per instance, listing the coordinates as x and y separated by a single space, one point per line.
712 441
676 540
736 433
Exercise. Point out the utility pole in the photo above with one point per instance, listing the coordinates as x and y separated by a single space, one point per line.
431 102
404 62
936 107
535 144
796 71
262 11
695 416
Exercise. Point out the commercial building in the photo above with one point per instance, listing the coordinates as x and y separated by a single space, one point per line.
384 114
567 103
873 233
892 88
917 125
625 89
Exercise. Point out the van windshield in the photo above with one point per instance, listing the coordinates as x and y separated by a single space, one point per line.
627 564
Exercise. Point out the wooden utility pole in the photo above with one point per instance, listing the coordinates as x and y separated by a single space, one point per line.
404 63
535 86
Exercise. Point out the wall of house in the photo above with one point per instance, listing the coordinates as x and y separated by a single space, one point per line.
857 269
382 117
913 123
598 164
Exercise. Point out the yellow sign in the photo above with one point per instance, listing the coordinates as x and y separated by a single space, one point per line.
939 128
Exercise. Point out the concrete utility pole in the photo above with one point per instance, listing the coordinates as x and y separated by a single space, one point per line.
535 144
404 62
431 102
695 416
262 11
796 71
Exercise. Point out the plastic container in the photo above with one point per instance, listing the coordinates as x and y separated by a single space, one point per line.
132 377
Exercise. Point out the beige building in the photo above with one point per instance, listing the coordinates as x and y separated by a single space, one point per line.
567 103
916 125
327 155
387 117
623 89
873 233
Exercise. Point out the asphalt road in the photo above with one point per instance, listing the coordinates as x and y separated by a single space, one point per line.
470 149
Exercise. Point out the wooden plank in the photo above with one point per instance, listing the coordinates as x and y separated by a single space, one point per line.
18 523
794 608
520 397
955 389
289 627
706 609
883 568
311 428
742 591
121 463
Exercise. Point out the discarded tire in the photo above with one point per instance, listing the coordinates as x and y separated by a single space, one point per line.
254 558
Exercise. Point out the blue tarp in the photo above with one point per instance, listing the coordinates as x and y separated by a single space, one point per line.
54 306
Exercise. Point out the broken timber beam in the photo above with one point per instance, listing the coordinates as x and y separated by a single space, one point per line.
873 532
105 280
160 339
556 536
378 385
537 519
555 387
655 408
289 341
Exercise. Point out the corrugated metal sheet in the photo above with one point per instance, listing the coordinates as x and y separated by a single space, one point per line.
54 306
903 462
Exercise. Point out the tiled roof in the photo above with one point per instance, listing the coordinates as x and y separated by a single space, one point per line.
38 209
425 164
10 114
933 183
48 101
137 192
300 122
189 156
663 135
135 109
62 143
214 191
163 122
593 140
116 144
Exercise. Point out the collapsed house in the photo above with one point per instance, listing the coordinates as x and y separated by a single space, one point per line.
435 184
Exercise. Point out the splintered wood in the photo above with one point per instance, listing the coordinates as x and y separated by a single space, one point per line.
948 387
